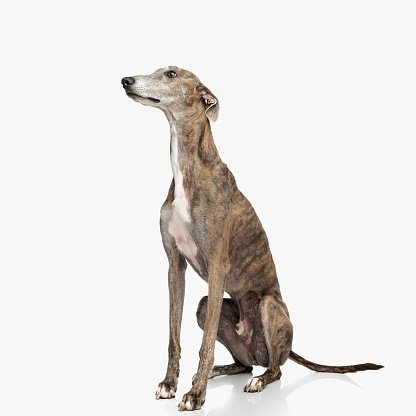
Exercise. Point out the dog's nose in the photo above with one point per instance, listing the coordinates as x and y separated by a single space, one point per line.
127 81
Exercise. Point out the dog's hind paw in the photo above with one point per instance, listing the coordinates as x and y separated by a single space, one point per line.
165 391
254 385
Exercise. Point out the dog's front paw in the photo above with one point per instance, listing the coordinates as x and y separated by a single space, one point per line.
165 390
192 401
254 385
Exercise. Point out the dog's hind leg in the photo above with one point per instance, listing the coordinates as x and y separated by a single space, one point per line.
230 369
278 334
228 337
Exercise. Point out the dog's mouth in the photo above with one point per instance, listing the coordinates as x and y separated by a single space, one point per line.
131 95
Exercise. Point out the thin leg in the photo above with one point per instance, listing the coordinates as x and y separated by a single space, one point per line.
227 334
176 278
228 337
278 333
217 272
229 370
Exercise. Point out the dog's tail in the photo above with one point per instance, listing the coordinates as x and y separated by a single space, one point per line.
332 369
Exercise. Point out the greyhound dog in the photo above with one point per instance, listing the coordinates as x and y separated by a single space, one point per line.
208 223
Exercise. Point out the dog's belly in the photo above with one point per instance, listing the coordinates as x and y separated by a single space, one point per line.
179 231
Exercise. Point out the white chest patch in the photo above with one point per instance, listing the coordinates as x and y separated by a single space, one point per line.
177 174
180 216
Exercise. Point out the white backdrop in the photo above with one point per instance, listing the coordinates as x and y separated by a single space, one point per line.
317 124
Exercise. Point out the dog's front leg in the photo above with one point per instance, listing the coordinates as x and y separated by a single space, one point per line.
176 277
217 274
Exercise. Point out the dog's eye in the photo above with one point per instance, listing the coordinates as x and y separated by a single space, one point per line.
171 74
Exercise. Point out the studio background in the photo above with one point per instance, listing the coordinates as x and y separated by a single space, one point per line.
317 123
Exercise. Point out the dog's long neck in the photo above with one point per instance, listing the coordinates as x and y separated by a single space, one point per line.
192 151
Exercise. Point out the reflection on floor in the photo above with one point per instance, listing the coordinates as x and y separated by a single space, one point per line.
272 400
233 401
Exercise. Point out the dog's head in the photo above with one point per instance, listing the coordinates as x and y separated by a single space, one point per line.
173 90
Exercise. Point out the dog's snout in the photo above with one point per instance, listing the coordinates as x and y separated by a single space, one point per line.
127 81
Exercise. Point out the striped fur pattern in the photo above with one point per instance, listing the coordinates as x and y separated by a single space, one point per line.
330 368
206 222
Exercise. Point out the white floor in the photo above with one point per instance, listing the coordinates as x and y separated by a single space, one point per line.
301 392
106 382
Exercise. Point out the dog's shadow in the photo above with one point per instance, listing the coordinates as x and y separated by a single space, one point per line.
272 400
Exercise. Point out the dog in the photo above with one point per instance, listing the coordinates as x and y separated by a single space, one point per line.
208 223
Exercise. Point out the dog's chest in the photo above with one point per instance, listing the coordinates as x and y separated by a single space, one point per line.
179 222
180 218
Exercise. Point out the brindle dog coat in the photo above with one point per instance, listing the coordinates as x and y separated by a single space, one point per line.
208 223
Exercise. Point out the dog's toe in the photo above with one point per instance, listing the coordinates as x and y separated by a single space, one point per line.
254 385
192 401
165 391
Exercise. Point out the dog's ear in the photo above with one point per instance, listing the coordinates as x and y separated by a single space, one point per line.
212 107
